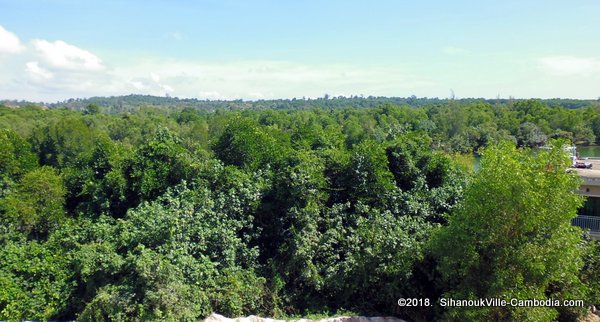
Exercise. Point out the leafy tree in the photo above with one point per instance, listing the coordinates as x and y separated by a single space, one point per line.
64 142
530 135
16 157
583 135
288 221
35 281
161 163
36 206
404 156
246 144
590 274
184 258
368 176
531 110
92 109
512 236
429 183
97 185
308 136
595 126
380 264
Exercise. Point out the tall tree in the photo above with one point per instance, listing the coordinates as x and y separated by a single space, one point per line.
16 157
246 144
36 204
161 163
512 237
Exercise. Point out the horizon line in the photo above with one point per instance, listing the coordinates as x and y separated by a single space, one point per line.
305 98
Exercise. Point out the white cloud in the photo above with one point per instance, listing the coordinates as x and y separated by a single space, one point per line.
9 42
256 95
155 77
59 54
211 95
450 50
570 65
167 88
56 70
37 73
144 85
42 80
138 85
264 79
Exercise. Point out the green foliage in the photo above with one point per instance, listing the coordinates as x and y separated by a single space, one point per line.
383 251
155 166
531 135
366 176
246 144
64 142
240 292
429 183
287 207
404 157
35 281
590 273
511 237
112 303
184 259
16 157
35 206
92 109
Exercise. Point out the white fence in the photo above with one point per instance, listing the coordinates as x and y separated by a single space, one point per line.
587 222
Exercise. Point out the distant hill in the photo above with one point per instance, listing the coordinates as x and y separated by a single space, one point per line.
116 104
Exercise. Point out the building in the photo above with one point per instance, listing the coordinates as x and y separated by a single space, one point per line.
589 215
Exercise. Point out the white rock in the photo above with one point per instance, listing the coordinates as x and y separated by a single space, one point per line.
252 318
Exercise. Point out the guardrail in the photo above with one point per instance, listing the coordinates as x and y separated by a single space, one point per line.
587 222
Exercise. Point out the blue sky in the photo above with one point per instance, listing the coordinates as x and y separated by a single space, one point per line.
57 49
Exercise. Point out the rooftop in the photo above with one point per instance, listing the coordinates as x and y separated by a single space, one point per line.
590 176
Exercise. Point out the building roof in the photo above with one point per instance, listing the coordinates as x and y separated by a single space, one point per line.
590 176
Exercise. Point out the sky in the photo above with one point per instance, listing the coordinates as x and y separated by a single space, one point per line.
53 50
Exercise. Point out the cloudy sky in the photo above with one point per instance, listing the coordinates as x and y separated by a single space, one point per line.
229 49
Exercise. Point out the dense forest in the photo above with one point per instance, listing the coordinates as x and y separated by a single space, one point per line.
127 212
133 102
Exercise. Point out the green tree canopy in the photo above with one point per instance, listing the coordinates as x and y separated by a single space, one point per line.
512 236
16 157
246 144
36 205
161 163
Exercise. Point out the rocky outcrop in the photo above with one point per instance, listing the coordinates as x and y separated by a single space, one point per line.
219 318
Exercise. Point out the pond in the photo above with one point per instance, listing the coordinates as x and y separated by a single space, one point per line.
588 151
585 151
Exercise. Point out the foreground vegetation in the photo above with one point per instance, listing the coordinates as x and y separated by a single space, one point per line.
173 214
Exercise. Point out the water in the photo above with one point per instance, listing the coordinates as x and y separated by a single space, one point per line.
476 162
589 151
